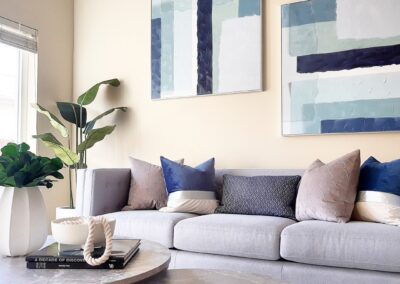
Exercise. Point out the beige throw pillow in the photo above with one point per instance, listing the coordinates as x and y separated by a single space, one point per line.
147 186
327 192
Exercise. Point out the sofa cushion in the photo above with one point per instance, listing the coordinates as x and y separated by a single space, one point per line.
231 234
360 245
148 225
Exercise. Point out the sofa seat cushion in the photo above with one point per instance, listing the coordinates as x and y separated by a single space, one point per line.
231 234
148 225
360 245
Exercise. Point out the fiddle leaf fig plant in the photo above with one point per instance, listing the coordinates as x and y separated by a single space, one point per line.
21 168
74 154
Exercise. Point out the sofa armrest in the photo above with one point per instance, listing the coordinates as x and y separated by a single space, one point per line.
101 191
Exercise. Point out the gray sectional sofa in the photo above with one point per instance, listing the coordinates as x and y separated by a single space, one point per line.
293 252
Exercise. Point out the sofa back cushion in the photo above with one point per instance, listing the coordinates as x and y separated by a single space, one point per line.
259 195
327 192
378 198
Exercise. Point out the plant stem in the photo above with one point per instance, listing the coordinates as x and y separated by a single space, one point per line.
75 168
76 143
71 197
81 156
76 179
85 153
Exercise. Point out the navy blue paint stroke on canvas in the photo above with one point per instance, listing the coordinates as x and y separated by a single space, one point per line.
350 59
156 58
204 47
360 125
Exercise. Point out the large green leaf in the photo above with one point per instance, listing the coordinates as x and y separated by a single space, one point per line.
89 96
48 137
90 124
13 151
95 136
55 122
24 169
10 150
23 147
9 181
72 113
66 155
20 178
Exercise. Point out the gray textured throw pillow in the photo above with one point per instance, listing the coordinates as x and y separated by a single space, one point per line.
259 195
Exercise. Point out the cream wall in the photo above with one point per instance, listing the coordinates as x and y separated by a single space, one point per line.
54 20
112 39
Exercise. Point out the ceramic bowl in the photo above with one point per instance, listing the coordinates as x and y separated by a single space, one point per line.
76 234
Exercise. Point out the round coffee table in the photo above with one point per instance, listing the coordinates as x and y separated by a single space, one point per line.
207 276
151 259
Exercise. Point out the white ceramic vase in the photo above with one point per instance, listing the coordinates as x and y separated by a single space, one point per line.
23 221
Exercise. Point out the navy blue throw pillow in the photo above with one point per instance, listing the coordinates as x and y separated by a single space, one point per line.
378 198
180 177
377 176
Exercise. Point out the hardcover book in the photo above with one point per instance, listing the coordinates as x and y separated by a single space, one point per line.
51 258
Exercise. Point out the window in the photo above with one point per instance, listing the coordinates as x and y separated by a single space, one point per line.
18 77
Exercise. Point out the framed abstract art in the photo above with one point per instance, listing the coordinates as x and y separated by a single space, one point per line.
204 47
340 66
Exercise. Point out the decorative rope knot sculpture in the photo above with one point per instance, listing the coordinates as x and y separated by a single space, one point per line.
89 244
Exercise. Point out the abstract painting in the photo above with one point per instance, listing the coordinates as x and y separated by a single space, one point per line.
340 66
203 47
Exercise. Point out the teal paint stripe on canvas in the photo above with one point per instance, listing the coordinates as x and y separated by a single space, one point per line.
353 109
362 87
322 38
314 100
302 93
167 45
307 12
222 10
249 8
315 113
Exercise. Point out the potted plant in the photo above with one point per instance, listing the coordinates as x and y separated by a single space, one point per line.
74 153
23 216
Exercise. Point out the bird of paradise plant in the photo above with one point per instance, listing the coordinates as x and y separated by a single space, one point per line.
86 136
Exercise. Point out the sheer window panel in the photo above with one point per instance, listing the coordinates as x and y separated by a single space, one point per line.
18 83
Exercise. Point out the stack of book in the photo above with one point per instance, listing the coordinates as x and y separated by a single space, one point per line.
51 257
